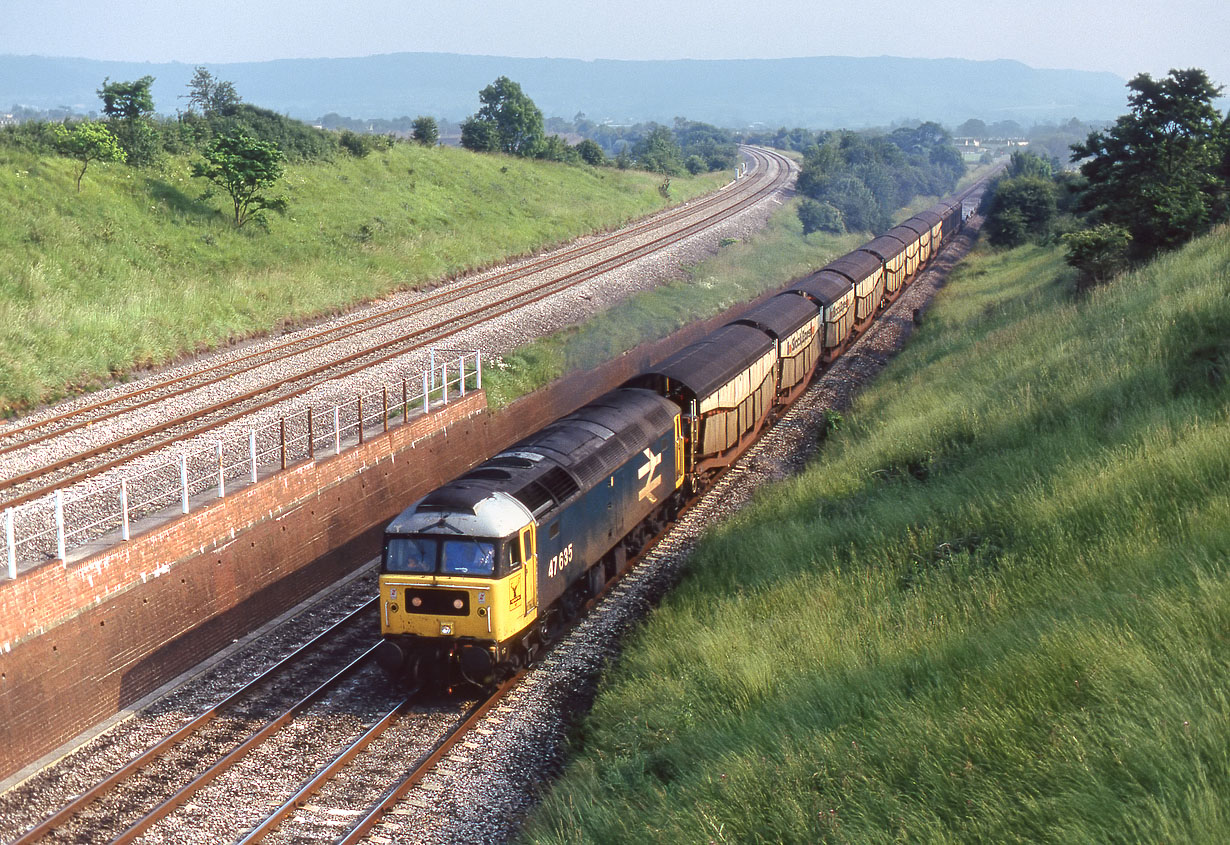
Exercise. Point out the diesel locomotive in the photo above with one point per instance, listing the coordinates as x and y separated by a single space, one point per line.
477 576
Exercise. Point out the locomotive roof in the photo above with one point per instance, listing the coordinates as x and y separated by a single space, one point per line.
825 287
551 466
885 247
780 316
711 362
855 266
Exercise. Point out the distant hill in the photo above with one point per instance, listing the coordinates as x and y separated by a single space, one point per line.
818 93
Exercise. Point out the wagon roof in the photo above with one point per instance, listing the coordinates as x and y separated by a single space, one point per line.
706 365
826 287
781 316
905 233
855 266
885 247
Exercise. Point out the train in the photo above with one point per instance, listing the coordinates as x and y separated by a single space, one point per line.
479 575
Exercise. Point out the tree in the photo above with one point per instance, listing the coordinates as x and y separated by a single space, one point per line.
973 128
1156 171
1098 253
481 136
212 96
127 100
243 167
425 131
658 152
820 217
591 153
508 117
128 106
1020 209
86 141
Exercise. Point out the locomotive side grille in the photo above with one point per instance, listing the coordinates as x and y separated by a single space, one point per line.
438 602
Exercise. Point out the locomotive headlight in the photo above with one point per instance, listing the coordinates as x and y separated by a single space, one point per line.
482 611
446 630
459 603
416 602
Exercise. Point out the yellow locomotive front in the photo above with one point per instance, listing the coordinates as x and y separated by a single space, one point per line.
458 586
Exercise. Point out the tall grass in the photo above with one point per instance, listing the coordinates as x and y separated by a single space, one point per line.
995 609
137 269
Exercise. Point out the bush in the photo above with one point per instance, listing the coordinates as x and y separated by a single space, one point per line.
821 217
1099 253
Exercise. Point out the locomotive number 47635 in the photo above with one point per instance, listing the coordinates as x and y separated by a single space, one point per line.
559 561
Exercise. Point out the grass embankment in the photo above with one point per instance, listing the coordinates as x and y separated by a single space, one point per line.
135 271
995 609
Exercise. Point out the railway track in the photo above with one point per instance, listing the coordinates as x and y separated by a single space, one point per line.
34 459
351 793
163 792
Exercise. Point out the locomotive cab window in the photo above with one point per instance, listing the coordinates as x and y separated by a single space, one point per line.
411 554
514 555
467 557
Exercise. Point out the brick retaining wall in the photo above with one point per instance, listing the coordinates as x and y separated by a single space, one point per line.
85 639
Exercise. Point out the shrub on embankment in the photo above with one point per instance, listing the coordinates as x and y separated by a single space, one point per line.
994 609
137 270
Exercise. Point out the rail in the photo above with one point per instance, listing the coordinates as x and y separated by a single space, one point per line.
52 526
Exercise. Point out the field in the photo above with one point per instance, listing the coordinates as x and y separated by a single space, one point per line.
137 270
995 608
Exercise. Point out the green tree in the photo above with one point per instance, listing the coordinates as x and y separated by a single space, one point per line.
86 141
481 136
658 152
210 95
508 116
591 152
1156 171
128 106
425 131
820 217
1098 253
1020 209
1027 164
243 167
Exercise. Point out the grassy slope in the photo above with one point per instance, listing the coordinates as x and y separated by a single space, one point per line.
135 270
995 609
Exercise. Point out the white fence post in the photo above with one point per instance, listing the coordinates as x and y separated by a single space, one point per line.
478 369
426 395
124 532
337 429
444 382
60 553
461 366
221 474
183 483
11 541
431 368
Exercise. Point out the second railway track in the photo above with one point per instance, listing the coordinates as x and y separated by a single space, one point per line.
34 457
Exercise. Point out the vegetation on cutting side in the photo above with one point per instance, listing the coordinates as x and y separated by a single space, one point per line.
994 609
854 181
1156 178
137 269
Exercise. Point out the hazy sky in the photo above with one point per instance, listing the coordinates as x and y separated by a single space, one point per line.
1124 37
